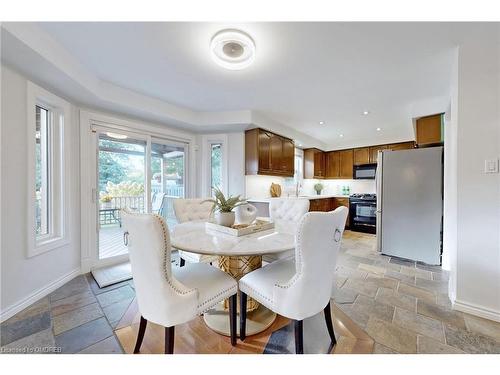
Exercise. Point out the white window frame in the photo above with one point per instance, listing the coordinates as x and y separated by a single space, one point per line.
59 162
298 178
208 141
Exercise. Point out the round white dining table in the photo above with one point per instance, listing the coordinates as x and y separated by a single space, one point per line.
237 257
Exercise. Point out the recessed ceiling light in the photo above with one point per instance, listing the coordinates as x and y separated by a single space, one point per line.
379 129
366 113
341 135
116 136
321 122
232 49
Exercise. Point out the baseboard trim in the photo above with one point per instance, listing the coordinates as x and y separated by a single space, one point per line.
35 296
477 310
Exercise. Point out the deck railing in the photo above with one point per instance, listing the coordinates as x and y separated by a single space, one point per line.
109 211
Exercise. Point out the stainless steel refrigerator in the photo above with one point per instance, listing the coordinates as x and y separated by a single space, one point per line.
410 204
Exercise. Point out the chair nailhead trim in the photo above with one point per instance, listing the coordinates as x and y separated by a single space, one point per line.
217 297
258 293
166 261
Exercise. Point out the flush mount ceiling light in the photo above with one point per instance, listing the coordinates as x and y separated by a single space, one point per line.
321 122
365 113
341 135
232 49
379 129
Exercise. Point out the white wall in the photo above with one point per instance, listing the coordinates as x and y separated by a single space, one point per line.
478 194
23 277
236 163
233 152
450 182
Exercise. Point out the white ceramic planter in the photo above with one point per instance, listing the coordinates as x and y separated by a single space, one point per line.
225 219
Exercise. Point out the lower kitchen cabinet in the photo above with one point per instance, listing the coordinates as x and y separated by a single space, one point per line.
342 202
329 204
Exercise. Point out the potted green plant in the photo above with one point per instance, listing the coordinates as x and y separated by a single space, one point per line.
106 200
318 187
223 207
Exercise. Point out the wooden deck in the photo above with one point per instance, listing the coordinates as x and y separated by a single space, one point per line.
111 240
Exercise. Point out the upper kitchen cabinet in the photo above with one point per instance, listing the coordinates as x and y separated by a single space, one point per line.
288 161
346 163
338 164
361 156
401 146
429 130
332 164
374 152
267 153
314 163
394 147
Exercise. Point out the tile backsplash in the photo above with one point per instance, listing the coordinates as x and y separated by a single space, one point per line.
335 186
258 186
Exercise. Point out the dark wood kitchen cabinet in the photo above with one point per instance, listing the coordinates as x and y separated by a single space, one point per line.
338 202
268 153
314 163
321 204
361 156
374 152
346 164
276 147
328 204
401 146
338 164
288 160
263 151
332 164
429 130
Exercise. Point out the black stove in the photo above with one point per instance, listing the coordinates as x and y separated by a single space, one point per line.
364 197
362 212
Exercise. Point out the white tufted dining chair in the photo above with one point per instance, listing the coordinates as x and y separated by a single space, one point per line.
300 287
170 296
190 210
286 214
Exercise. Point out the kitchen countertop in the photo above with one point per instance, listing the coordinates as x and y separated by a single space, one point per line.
310 197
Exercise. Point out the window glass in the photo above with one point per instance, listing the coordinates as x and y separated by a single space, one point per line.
298 174
42 171
216 165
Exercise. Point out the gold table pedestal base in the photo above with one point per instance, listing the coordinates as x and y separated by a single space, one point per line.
257 321
259 318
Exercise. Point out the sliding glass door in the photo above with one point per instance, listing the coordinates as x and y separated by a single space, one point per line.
137 172
168 179
121 184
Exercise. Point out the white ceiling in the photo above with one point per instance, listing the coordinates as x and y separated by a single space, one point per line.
303 73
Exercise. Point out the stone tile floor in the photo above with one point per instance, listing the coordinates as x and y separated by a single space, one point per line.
79 317
402 305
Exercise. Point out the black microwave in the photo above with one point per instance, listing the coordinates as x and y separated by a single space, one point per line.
365 172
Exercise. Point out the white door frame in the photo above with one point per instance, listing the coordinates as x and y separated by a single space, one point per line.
185 146
206 142
97 130
88 173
